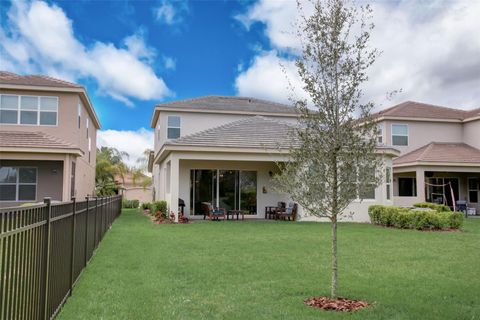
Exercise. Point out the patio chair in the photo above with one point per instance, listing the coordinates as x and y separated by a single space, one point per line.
288 213
211 212
273 214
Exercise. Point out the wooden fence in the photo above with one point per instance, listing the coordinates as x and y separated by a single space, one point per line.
44 248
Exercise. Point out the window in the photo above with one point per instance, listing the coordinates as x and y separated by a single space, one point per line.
380 133
366 191
79 112
86 125
28 110
72 180
18 184
473 189
407 187
89 149
388 181
399 134
173 127
8 109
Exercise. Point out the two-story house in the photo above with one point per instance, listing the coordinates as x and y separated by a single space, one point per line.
225 150
48 131
440 153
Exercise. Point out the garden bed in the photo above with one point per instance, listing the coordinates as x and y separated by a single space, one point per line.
339 304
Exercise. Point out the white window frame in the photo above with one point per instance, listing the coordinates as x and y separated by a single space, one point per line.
37 110
388 183
17 183
381 129
399 135
357 199
172 127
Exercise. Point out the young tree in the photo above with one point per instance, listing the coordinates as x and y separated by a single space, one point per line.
333 157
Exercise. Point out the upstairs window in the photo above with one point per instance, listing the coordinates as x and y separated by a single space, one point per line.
173 127
399 134
28 110
86 124
380 133
79 112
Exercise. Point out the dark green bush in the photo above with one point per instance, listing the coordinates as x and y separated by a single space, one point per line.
433 206
146 205
130 203
403 218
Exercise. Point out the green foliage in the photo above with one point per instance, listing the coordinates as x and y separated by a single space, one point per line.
161 206
433 206
146 205
131 204
109 164
403 218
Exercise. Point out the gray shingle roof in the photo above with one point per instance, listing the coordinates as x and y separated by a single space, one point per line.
34 140
34 80
253 132
226 103
441 152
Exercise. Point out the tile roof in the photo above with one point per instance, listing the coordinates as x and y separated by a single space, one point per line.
441 152
34 80
34 140
226 103
411 109
252 132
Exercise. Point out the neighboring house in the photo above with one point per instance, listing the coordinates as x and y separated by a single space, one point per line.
48 133
224 150
439 146
134 189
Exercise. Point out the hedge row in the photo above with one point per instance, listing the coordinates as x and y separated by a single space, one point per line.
403 218
130 204
433 206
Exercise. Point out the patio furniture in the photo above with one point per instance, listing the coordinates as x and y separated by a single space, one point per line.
288 213
270 212
211 212
236 212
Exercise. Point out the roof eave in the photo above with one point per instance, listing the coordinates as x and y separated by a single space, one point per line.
74 151
436 163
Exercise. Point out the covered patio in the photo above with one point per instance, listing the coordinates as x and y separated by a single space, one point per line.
439 172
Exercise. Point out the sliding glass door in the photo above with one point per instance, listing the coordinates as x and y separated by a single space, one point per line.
229 189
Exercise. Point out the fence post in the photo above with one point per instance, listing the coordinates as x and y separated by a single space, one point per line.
86 231
72 260
95 224
48 202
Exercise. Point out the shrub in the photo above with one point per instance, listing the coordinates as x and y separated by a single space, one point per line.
146 205
433 206
403 218
160 206
130 203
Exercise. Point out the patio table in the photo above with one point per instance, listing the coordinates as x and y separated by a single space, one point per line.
269 210
236 212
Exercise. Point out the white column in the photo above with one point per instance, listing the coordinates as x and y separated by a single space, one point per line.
66 178
420 174
174 185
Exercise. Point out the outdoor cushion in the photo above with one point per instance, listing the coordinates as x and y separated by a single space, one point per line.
217 212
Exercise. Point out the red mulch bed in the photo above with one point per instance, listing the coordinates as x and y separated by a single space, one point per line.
339 304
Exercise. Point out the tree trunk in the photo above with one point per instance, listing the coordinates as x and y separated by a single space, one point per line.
334 259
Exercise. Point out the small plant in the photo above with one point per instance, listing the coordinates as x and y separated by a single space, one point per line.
130 204
159 208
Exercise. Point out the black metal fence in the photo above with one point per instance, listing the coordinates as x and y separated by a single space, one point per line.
44 248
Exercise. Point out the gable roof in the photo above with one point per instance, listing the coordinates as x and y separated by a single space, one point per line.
225 104
10 80
22 141
417 110
441 152
34 80
252 132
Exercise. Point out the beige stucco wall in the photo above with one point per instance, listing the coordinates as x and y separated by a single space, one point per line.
68 130
471 133
192 122
421 133
138 193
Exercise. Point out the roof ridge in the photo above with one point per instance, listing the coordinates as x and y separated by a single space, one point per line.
223 97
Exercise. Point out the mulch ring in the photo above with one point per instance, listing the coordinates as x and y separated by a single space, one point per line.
339 304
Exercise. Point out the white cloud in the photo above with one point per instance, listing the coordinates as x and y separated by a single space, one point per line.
169 63
132 142
171 12
430 51
39 38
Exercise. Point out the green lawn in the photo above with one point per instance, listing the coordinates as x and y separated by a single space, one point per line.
264 270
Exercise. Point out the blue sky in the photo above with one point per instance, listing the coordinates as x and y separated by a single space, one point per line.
131 55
